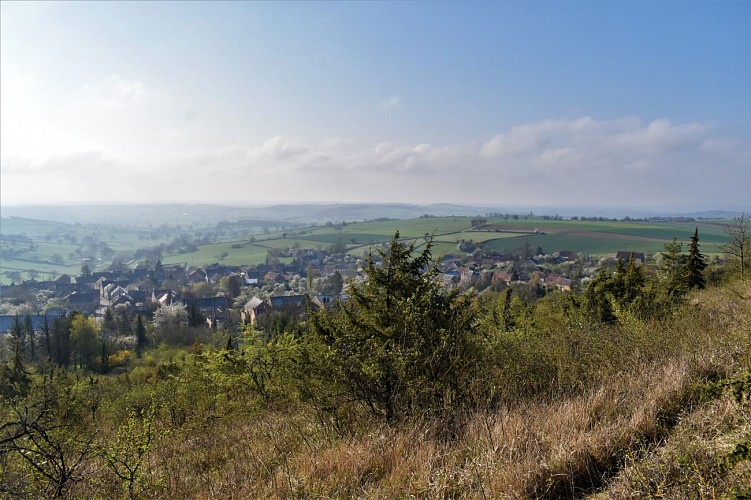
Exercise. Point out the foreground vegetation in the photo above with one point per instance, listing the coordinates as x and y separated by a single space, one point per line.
638 387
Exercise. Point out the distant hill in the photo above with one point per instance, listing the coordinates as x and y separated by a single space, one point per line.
191 214
293 214
714 214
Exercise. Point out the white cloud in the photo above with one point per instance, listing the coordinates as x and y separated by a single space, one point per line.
83 162
279 148
588 145
115 92
391 102
606 162
336 142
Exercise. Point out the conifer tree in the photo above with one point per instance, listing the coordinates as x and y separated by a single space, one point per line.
14 379
673 269
16 331
634 280
28 330
47 343
141 340
695 263
400 345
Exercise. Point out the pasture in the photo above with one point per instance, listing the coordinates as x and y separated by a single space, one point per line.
54 248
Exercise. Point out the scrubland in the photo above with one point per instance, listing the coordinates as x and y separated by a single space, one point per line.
522 400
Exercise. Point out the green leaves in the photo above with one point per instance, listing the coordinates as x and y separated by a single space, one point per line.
399 346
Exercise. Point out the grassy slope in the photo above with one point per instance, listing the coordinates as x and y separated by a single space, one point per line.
643 424
645 429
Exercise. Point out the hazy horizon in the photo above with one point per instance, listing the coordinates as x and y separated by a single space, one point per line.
603 104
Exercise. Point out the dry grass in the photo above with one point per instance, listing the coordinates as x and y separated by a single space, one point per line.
693 463
642 432
547 449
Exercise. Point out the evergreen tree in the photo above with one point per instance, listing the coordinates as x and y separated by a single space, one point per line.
15 380
61 340
108 322
47 341
597 298
399 345
634 280
123 324
673 269
195 315
695 263
626 288
105 361
28 331
141 340
310 274
16 331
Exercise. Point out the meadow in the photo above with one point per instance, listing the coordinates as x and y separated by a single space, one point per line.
54 248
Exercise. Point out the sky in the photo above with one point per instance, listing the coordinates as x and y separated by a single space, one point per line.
603 103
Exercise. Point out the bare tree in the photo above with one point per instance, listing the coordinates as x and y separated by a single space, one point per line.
739 246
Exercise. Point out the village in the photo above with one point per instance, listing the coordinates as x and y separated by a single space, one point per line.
228 296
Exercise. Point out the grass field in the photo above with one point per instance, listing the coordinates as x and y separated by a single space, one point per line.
594 237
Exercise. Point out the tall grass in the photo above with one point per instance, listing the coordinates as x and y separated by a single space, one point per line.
625 411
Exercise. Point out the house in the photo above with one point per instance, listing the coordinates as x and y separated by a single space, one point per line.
163 297
215 309
291 304
198 276
328 301
469 277
502 276
625 256
86 302
562 282
259 312
273 277
568 255
252 309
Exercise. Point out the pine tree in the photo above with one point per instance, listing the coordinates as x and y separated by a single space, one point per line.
28 330
673 269
16 331
14 379
634 280
61 337
46 331
695 263
105 359
141 340
399 346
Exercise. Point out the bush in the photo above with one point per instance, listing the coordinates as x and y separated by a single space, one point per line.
399 346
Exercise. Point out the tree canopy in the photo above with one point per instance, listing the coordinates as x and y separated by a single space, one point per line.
399 345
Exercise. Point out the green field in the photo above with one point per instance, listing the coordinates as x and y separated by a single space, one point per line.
53 241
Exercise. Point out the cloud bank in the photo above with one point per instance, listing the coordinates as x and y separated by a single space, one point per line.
617 162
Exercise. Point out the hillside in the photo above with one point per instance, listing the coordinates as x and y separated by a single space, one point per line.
402 390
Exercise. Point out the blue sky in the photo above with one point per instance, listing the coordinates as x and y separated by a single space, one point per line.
503 103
